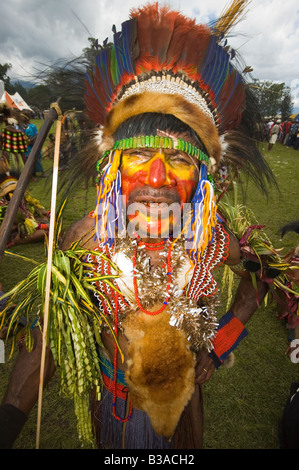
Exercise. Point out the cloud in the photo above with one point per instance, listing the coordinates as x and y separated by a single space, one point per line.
273 48
34 33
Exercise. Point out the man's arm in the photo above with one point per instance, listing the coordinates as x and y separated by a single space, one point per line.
81 230
22 391
243 307
245 304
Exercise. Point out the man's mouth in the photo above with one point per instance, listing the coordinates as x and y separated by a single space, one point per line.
151 197
153 203
153 209
154 212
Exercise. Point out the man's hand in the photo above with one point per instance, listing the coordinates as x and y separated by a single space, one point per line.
204 367
22 391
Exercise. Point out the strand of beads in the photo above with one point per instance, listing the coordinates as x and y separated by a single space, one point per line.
169 269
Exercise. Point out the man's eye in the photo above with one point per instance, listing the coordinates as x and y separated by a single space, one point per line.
180 159
138 153
143 154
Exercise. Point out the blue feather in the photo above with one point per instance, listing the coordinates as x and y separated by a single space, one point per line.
128 39
118 45
102 64
215 71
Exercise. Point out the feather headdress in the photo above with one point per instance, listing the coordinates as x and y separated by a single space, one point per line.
163 62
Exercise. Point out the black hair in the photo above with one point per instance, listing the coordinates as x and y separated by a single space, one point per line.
149 123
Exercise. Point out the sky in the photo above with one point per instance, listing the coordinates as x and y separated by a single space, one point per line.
34 34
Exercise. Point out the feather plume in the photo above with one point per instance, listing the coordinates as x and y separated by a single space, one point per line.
158 40
230 16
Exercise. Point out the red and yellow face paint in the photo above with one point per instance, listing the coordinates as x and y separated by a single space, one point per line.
157 183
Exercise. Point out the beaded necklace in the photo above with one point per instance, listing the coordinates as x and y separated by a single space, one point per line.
150 247
153 247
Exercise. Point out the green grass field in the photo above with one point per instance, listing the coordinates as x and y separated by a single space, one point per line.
244 404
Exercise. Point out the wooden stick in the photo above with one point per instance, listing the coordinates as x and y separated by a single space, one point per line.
48 278
24 179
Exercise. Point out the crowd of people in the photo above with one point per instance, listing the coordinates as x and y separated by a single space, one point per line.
18 134
17 138
286 132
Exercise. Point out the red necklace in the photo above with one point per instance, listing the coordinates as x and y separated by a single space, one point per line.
153 246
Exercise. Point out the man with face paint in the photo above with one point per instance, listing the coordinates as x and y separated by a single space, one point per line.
163 106
161 181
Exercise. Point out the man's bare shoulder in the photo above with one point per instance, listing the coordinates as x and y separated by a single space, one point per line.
82 230
234 257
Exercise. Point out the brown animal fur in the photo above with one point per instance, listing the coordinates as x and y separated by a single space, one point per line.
160 372
176 105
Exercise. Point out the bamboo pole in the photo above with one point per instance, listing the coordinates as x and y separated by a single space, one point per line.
24 179
48 278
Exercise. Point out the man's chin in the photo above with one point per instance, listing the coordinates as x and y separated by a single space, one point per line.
154 220
154 227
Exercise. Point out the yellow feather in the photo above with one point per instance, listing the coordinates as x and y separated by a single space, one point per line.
231 16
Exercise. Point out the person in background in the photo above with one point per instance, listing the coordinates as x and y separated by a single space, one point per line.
13 141
31 133
287 132
273 135
32 219
48 148
293 134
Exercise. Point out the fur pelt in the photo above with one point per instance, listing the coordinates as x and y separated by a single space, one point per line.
176 105
161 369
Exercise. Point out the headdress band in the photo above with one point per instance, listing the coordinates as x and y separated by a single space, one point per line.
172 86
155 141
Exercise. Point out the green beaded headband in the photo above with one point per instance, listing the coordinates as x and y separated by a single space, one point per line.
155 141
151 141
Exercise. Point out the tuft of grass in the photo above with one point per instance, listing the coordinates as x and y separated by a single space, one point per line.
243 405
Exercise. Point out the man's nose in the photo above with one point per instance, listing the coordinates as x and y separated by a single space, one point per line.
158 174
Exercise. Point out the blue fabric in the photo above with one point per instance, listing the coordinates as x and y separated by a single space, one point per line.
138 433
222 322
107 369
30 132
